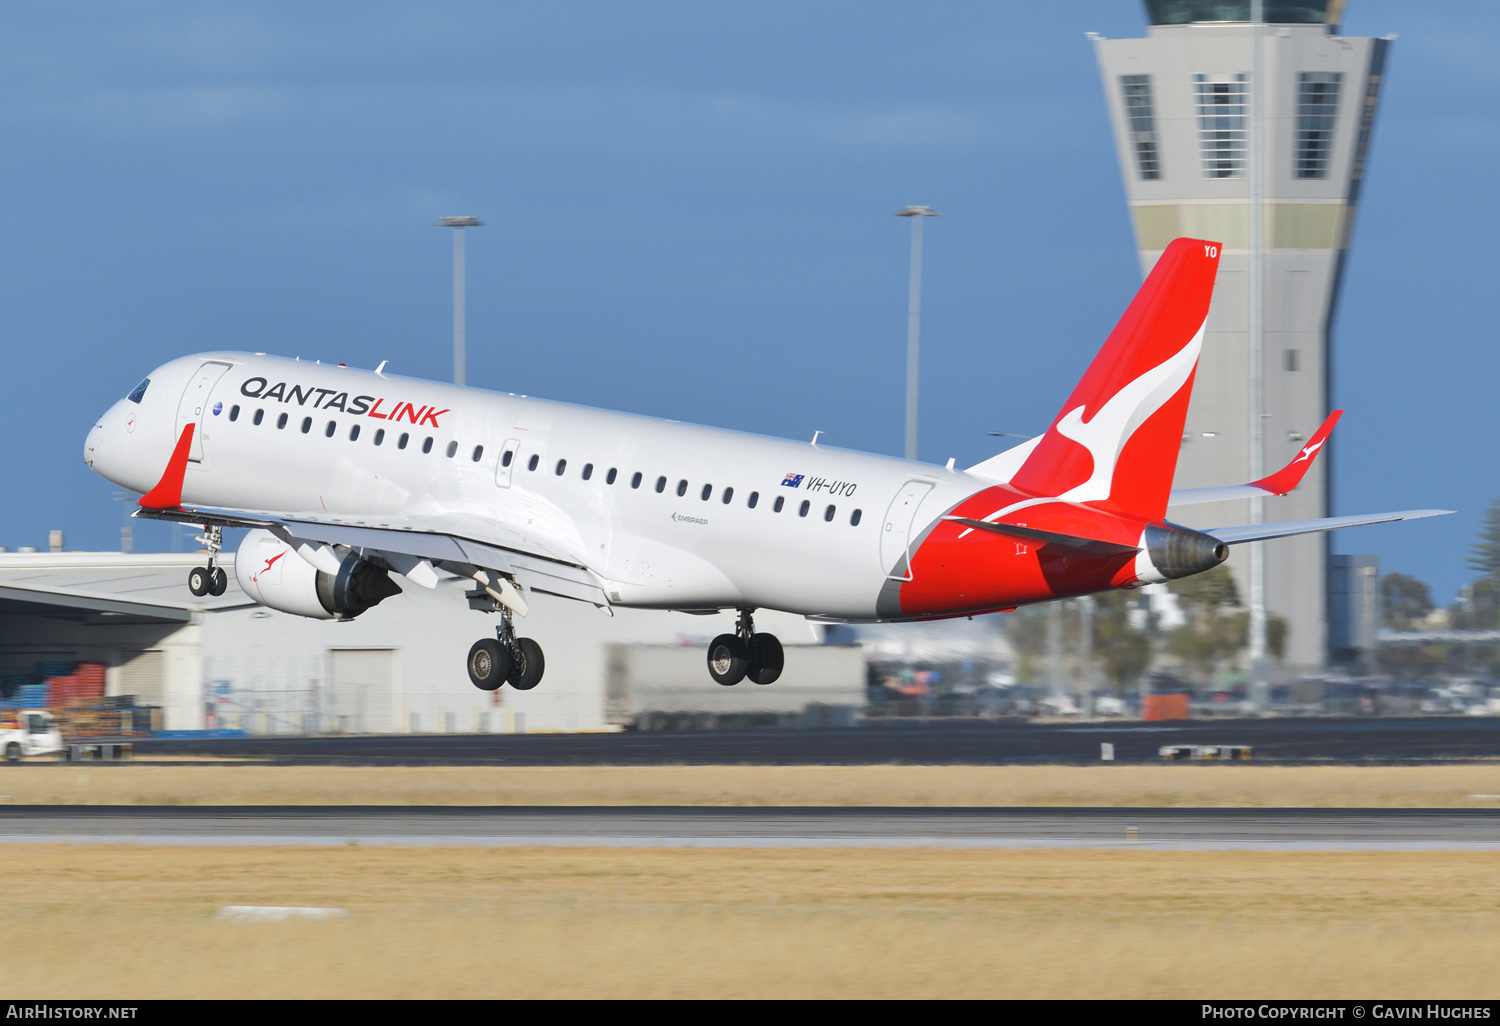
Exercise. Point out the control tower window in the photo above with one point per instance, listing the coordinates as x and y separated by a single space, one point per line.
1317 105
1135 92
1221 124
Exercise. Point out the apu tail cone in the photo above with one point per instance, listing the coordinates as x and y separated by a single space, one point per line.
1181 551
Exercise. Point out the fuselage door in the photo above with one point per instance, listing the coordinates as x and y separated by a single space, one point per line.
507 462
193 409
895 532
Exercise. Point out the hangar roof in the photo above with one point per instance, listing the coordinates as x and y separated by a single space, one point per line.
109 587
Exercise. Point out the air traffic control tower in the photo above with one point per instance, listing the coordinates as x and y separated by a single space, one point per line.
1181 104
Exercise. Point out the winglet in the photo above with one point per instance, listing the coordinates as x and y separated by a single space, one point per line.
168 491
1289 476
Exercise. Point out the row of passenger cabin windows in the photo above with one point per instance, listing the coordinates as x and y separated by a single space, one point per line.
726 495
332 427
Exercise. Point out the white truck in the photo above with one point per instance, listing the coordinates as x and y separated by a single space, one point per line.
28 732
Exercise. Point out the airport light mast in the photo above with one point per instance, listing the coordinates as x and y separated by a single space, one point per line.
914 322
458 224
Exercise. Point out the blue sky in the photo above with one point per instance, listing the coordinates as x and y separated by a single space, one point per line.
688 214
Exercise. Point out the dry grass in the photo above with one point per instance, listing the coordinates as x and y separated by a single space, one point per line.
133 922
1241 785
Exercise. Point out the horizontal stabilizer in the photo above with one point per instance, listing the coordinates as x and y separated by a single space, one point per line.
1260 532
1085 546
1279 483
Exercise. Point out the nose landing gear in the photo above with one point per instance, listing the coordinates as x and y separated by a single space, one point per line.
734 657
506 658
210 579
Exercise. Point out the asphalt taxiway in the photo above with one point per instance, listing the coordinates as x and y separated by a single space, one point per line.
739 827
965 742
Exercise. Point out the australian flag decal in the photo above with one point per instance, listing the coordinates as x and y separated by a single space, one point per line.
791 481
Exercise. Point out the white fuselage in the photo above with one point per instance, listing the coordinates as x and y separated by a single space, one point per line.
655 518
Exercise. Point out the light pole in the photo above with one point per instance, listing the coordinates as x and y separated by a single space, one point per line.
1259 682
914 322
458 224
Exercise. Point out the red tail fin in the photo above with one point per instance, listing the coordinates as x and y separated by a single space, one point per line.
168 491
1116 440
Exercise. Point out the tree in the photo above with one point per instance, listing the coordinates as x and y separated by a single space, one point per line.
1123 651
1404 601
1484 557
1214 631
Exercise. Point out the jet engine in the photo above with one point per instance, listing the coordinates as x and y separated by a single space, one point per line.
272 573
1181 552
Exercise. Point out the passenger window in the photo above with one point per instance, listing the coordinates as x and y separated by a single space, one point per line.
661 485
354 433
281 422
531 463
379 435
401 442
635 481
506 457
330 429
610 477
427 444
478 453
588 471
139 391
780 502
682 487
234 413
854 517
260 415
754 498
828 514
562 465
707 491
452 449
306 425
802 510
728 496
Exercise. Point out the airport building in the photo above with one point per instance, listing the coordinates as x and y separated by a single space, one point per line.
1180 103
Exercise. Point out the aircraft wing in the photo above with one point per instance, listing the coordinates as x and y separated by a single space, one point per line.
1279 483
414 546
1260 532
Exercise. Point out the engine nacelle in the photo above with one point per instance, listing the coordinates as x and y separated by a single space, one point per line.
270 572
1180 551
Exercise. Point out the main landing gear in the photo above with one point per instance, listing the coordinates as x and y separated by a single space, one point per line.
210 579
506 658
733 657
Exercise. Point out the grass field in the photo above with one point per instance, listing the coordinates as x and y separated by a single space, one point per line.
1168 785
123 922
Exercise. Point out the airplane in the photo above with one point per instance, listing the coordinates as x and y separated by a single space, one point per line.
350 479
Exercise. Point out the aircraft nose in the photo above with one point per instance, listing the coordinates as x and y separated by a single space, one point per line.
91 443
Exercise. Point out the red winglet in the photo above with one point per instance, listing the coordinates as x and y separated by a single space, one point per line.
1289 476
168 491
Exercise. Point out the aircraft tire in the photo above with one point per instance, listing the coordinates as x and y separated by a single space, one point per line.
766 659
728 659
198 581
488 664
527 669
218 582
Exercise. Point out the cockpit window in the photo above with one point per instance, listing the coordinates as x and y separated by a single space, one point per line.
140 391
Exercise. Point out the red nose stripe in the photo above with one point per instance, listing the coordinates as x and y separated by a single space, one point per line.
168 491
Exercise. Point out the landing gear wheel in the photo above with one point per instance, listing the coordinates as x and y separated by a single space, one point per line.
766 658
527 668
219 581
728 658
199 581
489 662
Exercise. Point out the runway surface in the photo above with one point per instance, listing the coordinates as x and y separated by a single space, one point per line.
968 742
719 827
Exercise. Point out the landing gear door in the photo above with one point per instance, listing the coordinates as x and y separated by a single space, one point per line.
507 462
895 531
194 409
